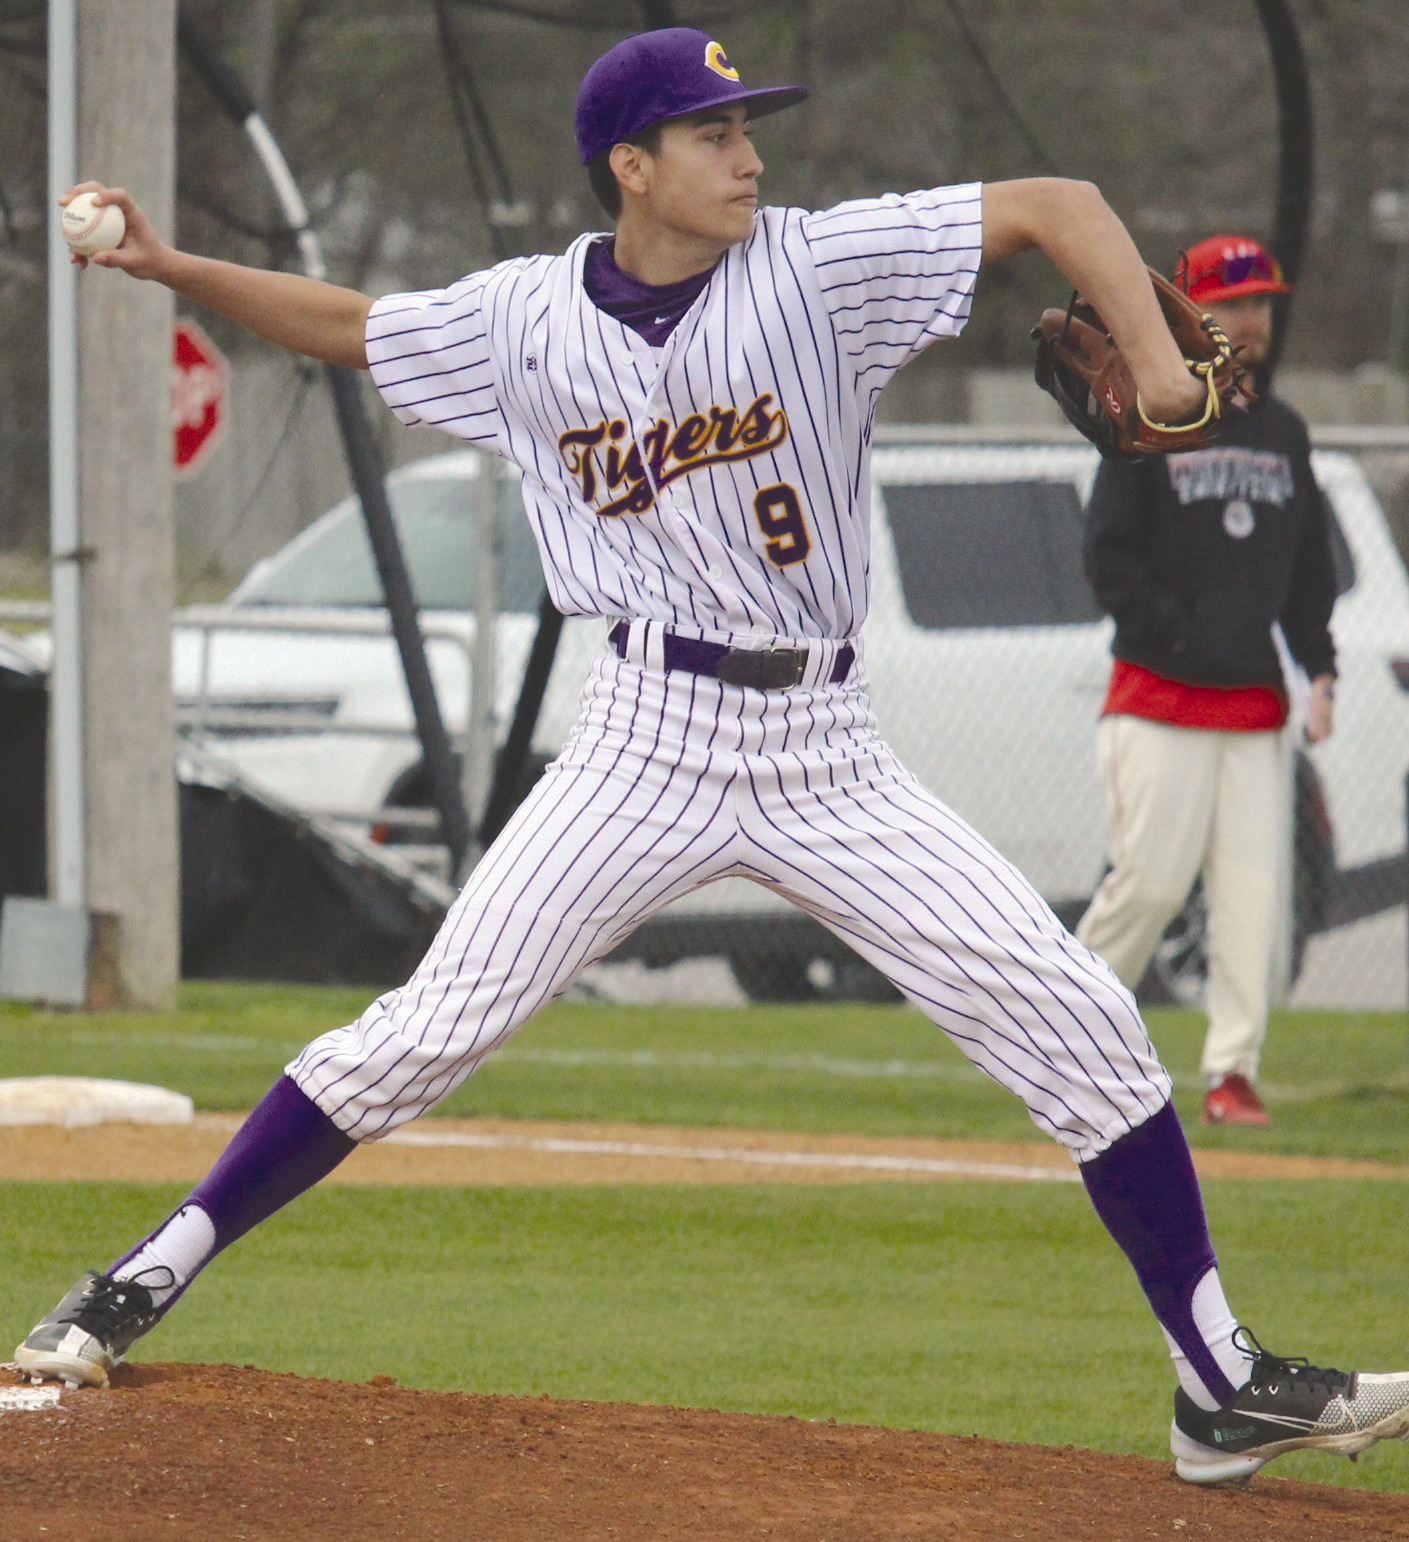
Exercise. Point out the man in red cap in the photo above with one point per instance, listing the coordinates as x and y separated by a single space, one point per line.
1216 567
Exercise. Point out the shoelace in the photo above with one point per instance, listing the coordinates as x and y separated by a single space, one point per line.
1269 1371
110 1304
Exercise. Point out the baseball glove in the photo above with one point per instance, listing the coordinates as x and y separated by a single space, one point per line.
1079 364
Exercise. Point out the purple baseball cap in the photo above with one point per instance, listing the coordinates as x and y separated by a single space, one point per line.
662 74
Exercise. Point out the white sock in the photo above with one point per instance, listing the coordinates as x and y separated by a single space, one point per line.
183 1245
1216 1324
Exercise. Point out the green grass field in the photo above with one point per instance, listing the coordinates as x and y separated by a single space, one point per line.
1338 1083
996 1309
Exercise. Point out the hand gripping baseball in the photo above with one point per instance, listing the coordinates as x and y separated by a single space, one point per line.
139 252
1081 366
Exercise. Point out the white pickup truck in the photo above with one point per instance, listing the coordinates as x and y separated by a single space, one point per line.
987 656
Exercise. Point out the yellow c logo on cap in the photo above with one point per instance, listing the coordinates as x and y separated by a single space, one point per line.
717 60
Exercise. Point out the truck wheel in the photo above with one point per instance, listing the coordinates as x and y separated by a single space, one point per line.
412 790
773 977
788 977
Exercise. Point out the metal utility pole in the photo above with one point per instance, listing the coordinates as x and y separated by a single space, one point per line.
1397 230
45 944
68 867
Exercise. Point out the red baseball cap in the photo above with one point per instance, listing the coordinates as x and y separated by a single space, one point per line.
662 74
1225 267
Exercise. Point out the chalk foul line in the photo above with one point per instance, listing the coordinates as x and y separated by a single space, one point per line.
559 1146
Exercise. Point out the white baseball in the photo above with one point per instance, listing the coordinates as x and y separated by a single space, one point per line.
90 227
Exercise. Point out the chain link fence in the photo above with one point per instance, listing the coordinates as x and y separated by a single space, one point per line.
988 659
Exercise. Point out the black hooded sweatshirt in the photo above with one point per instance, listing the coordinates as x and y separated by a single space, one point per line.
1196 555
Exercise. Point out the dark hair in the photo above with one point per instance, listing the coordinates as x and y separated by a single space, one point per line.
603 179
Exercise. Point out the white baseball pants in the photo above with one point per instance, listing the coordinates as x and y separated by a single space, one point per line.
671 780
1182 802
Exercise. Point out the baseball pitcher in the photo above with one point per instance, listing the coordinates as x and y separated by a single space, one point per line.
690 399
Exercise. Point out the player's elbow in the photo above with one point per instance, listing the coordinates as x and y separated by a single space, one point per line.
1065 205
1032 211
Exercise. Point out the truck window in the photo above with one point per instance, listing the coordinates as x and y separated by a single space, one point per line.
435 518
990 553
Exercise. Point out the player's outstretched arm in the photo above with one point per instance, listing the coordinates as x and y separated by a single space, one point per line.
321 320
1075 226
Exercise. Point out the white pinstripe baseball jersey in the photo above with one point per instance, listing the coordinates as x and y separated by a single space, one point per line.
715 486
719 484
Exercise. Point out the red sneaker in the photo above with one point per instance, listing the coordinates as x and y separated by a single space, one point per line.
1233 1101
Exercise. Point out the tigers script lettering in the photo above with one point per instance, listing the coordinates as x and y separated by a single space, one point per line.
601 464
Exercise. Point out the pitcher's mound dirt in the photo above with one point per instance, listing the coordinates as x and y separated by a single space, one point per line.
217 1453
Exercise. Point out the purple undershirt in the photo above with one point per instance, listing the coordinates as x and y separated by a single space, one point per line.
653 310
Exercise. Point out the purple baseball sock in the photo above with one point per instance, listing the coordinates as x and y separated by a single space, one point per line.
285 1146
1145 1190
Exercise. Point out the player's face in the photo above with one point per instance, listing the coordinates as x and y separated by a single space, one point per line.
1248 322
703 183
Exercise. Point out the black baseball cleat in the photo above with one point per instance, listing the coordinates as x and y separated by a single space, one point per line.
90 1330
1286 1405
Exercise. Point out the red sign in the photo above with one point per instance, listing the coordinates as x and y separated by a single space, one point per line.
198 376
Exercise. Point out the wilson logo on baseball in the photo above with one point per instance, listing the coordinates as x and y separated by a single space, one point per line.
89 227
80 223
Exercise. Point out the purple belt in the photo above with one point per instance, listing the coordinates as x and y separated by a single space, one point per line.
762 669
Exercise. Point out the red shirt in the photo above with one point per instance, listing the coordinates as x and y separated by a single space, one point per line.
1138 692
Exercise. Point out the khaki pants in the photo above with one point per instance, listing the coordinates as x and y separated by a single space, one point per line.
1182 802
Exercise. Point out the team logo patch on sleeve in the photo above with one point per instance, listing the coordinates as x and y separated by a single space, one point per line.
717 60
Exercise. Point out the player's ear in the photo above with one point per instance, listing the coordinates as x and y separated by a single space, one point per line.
628 166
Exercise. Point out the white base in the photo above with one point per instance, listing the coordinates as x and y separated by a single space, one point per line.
73 1101
12 1398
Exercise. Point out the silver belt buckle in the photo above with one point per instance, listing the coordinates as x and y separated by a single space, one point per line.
763 669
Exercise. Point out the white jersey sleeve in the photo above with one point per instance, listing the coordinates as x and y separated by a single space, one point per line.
897 272
431 359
